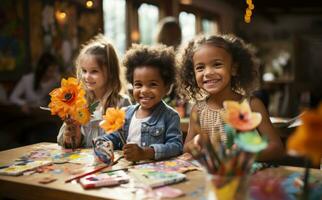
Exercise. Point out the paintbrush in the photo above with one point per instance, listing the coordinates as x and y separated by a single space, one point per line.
92 171
87 173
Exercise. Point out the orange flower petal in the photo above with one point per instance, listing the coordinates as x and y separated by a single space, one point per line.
69 100
307 138
82 116
240 116
113 119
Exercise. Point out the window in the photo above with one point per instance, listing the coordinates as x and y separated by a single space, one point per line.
114 22
148 20
209 27
188 25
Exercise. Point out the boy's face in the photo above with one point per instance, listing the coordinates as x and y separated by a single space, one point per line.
148 87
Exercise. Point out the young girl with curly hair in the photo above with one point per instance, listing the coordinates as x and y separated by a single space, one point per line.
219 68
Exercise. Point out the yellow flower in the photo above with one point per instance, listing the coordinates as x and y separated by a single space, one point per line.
113 119
82 116
68 100
307 138
240 116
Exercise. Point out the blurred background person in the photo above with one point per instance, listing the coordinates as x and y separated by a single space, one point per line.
33 88
169 32
3 95
32 91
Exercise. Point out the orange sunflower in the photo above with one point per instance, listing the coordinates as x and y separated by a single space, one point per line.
240 116
69 100
113 119
82 116
307 138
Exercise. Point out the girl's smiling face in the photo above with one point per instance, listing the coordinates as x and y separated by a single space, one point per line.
213 68
93 76
148 87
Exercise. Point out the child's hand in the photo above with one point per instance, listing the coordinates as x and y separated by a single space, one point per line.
196 142
72 133
133 152
194 146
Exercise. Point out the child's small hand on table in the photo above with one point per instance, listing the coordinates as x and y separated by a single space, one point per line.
133 152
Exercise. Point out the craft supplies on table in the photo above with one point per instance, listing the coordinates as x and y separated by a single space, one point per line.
112 178
154 178
20 168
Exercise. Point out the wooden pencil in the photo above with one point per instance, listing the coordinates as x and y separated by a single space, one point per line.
87 173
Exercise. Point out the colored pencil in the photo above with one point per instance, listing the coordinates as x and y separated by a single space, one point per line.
93 171
87 173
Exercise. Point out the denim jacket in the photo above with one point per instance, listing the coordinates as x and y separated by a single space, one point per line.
161 132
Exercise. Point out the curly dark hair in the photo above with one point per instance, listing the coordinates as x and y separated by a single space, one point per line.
243 56
157 56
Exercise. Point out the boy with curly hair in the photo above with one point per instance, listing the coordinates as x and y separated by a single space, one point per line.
152 128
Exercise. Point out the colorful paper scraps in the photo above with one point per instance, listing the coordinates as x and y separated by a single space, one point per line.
17 169
175 165
56 155
153 178
46 179
169 192
112 178
41 156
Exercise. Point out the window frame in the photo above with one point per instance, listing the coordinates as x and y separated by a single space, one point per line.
166 8
200 15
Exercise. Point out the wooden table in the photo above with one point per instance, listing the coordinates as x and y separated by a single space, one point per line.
27 187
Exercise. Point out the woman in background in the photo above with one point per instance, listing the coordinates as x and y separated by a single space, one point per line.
33 88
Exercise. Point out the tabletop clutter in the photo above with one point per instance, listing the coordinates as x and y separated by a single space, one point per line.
82 166
47 163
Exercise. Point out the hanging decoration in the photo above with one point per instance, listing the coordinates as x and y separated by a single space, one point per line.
248 12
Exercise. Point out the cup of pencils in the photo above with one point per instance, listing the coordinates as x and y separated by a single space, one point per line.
221 187
230 180
228 161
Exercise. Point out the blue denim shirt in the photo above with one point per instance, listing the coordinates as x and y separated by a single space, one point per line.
161 132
